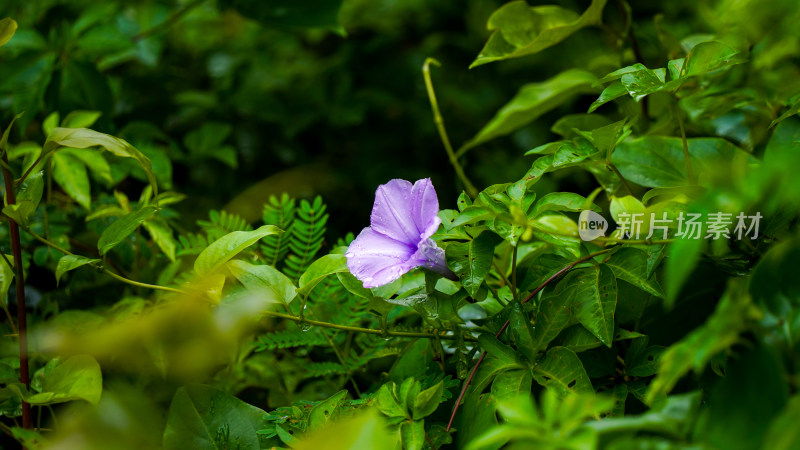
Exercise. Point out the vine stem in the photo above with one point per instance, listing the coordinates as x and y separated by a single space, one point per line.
99 266
408 334
505 325
22 327
439 121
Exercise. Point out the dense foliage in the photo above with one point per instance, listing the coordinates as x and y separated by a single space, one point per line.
183 180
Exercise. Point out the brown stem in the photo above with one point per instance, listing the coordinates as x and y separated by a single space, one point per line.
505 325
22 327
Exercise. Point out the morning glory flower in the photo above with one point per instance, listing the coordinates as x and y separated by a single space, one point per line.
403 219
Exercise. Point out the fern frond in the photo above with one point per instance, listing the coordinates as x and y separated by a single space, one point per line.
323 369
289 339
281 213
308 234
191 244
221 223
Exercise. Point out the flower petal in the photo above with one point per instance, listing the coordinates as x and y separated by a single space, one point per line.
392 214
425 207
377 259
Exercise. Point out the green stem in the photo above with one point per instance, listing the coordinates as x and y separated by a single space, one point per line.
28 172
99 266
408 334
439 121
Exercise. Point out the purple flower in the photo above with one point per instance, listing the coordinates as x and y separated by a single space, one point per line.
403 219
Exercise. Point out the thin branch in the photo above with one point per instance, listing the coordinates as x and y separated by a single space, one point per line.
613 167
408 334
505 325
99 266
171 20
439 121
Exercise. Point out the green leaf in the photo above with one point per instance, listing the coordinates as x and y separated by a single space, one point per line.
319 269
326 410
28 198
77 378
86 138
494 347
201 417
625 205
354 285
594 301
6 278
562 201
50 122
472 260
387 403
81 119
511 383
8 27
161 234
264 279
122 228
555 311
427 401
71 262
71 175
522 331
643 82
561 369
520 29
568 155
711 55
413 434
31 189
228 246
658 161
613 91
630 264
98 166
532 101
